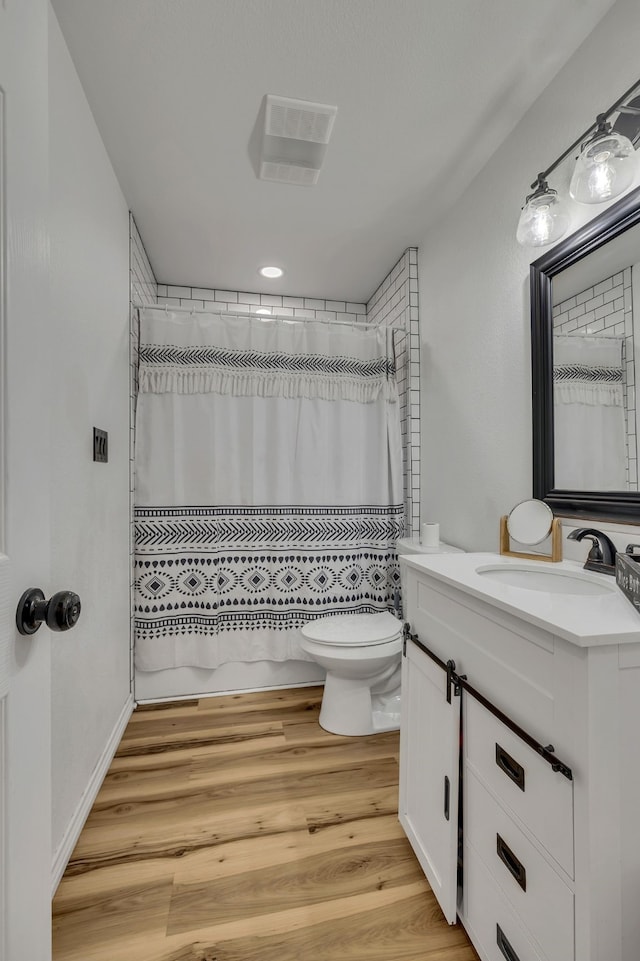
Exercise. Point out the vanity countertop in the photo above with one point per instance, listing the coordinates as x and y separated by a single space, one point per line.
587 621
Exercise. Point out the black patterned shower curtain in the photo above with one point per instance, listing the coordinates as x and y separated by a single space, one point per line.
268 484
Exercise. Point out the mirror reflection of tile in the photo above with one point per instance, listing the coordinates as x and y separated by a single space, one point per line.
603 309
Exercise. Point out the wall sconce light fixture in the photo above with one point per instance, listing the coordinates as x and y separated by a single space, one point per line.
605 168
544 217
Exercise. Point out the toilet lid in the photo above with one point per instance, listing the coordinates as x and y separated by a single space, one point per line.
354 629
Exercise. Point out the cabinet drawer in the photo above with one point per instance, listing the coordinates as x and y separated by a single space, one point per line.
541 799
491 922
536 892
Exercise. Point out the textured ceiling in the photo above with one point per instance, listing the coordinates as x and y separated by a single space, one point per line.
425 90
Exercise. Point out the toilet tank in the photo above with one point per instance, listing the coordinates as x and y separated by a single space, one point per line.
408 545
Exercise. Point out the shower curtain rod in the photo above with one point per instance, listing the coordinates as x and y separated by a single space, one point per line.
282 318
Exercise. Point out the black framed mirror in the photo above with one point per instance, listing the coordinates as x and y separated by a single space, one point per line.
572 274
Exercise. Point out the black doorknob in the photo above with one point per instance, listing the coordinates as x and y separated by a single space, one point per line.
60 612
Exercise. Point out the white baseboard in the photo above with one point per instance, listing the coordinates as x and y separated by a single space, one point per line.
66 846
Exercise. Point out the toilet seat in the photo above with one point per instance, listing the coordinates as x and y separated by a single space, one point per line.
353 630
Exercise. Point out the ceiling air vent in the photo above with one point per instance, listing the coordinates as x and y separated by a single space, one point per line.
296 134
289 173
299 119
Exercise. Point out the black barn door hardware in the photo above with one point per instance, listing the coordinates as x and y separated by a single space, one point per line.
459 682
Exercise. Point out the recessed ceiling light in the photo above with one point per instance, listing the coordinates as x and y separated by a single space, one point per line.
271 272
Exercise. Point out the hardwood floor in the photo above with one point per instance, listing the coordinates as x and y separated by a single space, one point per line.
236 829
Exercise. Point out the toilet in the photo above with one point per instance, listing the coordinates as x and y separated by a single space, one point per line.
362 655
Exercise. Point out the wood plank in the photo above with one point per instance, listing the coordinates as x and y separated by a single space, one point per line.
202 944
167 705
108 880
411 929
322 812
325 876
191 731
138 774
286 761
308 731
141 907
236 829
223 796
151 776
178 832
295 700
237 857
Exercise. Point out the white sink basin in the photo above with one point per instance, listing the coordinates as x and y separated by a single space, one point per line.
530 577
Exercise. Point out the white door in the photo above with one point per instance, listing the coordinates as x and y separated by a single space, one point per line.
25 382
429 773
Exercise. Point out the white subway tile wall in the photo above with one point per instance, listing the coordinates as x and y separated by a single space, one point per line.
608 306
396 304
143 290
244 302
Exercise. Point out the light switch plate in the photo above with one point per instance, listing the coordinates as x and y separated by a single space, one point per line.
100 445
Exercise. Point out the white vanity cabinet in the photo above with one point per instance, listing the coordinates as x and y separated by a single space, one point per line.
428 802
550 864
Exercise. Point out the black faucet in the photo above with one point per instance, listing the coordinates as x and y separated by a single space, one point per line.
602 556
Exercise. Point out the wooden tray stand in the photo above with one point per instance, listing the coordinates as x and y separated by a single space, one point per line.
556 543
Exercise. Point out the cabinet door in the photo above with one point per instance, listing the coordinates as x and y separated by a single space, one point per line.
429 775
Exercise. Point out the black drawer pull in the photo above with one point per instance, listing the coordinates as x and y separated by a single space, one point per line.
513 865
510 767
447 791
504 945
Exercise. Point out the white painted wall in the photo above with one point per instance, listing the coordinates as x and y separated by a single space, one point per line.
89 311
474 299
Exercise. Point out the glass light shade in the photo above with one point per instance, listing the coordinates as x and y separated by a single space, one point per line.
544 219
605 168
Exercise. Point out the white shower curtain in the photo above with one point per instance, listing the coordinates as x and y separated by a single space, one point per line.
589 421
268 484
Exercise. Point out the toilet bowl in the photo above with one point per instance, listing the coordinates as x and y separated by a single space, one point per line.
362 655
